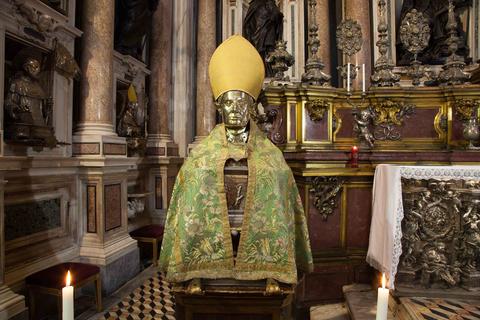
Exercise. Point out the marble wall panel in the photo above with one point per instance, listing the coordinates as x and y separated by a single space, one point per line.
325 283
115 149
346 129
324 235
315 130
113 206
420 124
91 208
292 119
359 203
25 219
86 148
158 193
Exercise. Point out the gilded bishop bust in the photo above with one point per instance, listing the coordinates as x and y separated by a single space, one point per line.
199 240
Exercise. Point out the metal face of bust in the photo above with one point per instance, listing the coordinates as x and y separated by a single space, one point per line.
32 67
234 106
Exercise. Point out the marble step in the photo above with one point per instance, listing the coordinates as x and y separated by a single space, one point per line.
361 302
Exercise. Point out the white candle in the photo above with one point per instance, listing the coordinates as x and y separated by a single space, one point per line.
67 300
382 300
363 76
348 77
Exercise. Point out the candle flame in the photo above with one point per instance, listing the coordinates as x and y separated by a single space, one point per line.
355 148
384 281
69 278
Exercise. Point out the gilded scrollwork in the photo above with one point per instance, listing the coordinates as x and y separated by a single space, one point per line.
325 191
388 116
441 233
317 109
465 109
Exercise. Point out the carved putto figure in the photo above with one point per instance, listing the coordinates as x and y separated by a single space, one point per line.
363 119
28 108
263 27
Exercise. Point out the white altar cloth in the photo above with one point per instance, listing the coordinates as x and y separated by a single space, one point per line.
385 246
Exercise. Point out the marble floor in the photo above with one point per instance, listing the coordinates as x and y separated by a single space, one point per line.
336 311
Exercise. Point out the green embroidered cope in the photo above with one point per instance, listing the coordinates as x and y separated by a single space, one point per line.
274 241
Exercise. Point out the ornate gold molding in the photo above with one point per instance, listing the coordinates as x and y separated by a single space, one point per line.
317 109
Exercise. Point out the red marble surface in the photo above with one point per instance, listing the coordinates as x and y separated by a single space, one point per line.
420 124
359 203
324 234
316 130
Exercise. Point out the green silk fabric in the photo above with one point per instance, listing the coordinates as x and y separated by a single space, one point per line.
274 240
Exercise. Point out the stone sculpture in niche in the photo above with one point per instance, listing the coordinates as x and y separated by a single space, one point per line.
28 107
436 12
263 27
133 19
128 125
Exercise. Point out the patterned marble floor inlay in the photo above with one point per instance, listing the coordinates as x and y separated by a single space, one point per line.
152 300
441 309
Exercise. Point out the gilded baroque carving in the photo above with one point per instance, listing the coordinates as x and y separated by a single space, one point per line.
467 110
388 116
325 191
280 60
383 75
363 120
314 67
453 71
270 121
349 37
441 233
317 109
415 36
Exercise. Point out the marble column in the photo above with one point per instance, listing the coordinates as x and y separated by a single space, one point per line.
324 30
94 134
359 10
11 304
206 45
183 75
159 140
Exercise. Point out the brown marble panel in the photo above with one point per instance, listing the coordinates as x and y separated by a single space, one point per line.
91 209
324 235
420 124
457 130
293 122
315 130
158 193
359 203
173 152
326 282
346 130
156 151
114 149
86 148
113 206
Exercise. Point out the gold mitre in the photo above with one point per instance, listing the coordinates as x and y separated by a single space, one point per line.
236 65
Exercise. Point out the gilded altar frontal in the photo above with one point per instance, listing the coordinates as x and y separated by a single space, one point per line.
240 159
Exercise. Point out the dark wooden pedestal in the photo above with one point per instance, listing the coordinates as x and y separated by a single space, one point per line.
233 300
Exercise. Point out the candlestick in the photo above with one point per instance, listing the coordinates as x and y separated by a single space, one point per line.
363 78
354 157
348 77
382 300
67 299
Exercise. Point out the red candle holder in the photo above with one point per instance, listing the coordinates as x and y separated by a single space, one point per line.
354 157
